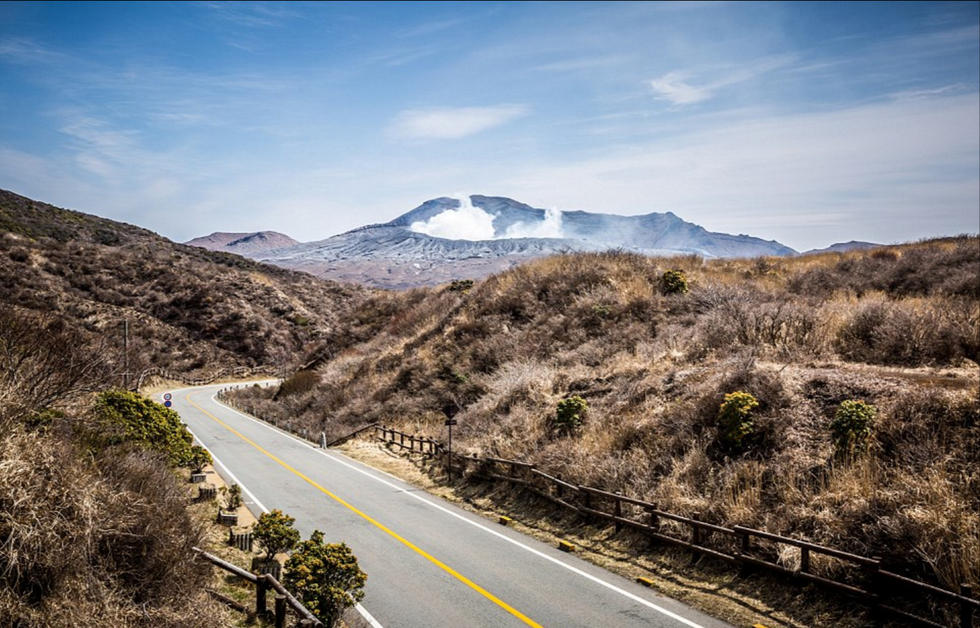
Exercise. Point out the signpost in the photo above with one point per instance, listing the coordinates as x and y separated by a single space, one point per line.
449 460
166 400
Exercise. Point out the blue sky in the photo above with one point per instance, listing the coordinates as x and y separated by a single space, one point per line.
805 123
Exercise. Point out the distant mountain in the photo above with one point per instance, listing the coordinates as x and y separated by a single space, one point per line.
843 247
400 254
247 244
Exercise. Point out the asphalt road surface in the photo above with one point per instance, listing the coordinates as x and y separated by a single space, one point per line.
428 562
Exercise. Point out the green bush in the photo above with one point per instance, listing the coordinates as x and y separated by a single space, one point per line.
132 418
570 414
275 531
734 419
673 282
852 425
325 577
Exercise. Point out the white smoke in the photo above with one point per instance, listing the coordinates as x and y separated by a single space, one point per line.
464 223
550 227
468 222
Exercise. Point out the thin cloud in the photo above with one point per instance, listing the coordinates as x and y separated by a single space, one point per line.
453 122
676 87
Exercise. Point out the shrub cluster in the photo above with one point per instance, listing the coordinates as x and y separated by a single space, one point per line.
570 414
129 417
735 420
852 425
673 282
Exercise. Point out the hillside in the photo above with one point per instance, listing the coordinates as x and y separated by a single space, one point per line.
188 308
895 327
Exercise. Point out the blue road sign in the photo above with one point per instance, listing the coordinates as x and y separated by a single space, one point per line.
168 403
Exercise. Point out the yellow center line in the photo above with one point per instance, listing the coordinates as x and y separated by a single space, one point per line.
490 596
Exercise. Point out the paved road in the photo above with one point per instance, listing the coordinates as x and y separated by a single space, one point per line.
428 562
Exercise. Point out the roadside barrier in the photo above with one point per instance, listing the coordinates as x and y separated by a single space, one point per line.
860 577
263 583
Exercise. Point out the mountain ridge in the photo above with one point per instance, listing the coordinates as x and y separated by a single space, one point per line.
397 254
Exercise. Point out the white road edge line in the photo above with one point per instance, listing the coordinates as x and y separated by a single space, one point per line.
368 617
540 554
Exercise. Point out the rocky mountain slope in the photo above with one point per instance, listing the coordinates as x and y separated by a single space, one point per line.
416 249
247 244
188 308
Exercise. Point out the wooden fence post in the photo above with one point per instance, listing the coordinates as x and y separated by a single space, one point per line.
966 610
618 511
804 560
875 588
280 611
261 586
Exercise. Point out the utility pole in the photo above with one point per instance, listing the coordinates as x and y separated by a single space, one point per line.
126 353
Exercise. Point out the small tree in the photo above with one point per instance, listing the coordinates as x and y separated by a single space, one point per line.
275 531
673 282
570 414
325 577
734 419
233 497
199 457
852 425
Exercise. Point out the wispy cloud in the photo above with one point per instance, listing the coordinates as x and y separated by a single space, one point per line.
252 14
453 122
677 87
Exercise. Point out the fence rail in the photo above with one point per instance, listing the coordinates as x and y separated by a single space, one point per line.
864 577
262 584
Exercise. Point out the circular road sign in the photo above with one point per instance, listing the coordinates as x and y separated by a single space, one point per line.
168 403
167 396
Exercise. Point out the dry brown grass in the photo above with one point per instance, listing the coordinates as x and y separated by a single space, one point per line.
896 327
87 545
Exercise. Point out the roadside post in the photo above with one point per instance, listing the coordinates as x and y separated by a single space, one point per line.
449 453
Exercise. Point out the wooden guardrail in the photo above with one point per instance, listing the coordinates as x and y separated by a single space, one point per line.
263 583
861 577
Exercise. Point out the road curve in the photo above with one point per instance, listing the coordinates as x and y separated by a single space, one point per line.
429 563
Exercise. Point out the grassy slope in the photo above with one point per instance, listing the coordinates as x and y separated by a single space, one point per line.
896 327
188 308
